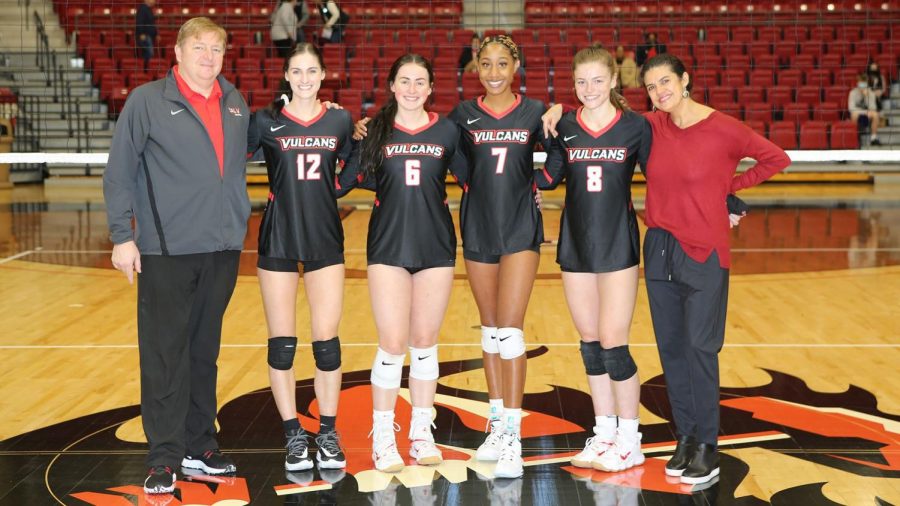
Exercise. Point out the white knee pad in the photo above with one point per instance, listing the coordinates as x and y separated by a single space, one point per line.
387 369
511 342
423 363
489 339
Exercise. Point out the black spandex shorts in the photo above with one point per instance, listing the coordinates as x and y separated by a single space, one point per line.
286 265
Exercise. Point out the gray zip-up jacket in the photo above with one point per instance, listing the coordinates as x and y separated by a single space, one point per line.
163 172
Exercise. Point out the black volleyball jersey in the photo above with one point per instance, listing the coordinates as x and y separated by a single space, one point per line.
411 224
598 229
498 214
301 220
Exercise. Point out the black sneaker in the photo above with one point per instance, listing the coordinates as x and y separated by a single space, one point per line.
704 465
160 480
330 454
297 445
684 450
210 462
875 142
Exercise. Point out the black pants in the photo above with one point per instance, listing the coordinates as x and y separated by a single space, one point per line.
181 302
688 302
283 46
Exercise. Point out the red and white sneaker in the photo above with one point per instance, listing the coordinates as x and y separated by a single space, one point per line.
625 453
594 448
384 448
421 440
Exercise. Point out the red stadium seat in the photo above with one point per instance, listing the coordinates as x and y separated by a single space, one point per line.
778 96
757 126
750 95
810 95
844 135
796 112
828 111
819 77
790 77
762 78
814 135
768 34
351 100
783 134
637 99
734 77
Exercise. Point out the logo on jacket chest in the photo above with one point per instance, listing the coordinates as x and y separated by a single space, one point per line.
235 111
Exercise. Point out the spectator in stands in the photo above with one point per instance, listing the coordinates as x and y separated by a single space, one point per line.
145 29
468 60
187 135
862 102
334 21
628 75
877 83
284 27
301 10
649 48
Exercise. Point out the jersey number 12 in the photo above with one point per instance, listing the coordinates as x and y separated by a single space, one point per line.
305 173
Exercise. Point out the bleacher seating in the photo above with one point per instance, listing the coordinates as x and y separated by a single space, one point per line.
784 68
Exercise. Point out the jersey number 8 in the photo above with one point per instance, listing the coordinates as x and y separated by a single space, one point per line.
594 178
312 172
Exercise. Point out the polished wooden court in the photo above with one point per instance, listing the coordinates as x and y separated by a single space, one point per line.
810 409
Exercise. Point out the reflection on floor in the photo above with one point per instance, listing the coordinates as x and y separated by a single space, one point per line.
809 406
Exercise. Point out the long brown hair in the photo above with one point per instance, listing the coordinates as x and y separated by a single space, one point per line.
597 54
382 125
284 87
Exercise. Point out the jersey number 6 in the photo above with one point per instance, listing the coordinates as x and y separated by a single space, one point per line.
413 172
312 172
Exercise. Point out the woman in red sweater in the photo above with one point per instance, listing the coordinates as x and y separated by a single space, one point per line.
690 173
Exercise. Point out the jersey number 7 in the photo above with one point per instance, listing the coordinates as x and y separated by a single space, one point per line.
500 153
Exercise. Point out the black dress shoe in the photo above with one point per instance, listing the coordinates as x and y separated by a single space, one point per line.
684 450
704 465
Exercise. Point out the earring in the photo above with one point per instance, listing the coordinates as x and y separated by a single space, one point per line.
685 93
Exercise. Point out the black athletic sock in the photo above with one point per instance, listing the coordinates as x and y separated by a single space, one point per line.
291 425
327 423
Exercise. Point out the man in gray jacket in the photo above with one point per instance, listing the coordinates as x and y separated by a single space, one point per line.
177 167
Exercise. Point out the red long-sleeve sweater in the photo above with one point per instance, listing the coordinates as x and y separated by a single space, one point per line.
692 170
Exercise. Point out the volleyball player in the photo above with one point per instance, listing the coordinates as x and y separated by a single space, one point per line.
303 142
502 231
596 152
411 250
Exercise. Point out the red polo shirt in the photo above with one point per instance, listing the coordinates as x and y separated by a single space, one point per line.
210 111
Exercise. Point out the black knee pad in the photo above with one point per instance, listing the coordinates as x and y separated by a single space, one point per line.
591 354
327 354
618 363
281 352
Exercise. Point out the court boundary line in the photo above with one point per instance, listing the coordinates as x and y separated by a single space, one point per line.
358 251
451 345
16 256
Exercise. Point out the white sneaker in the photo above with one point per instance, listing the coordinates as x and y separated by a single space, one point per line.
384 448
421 440
509 463
490 449
593 448
624 454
